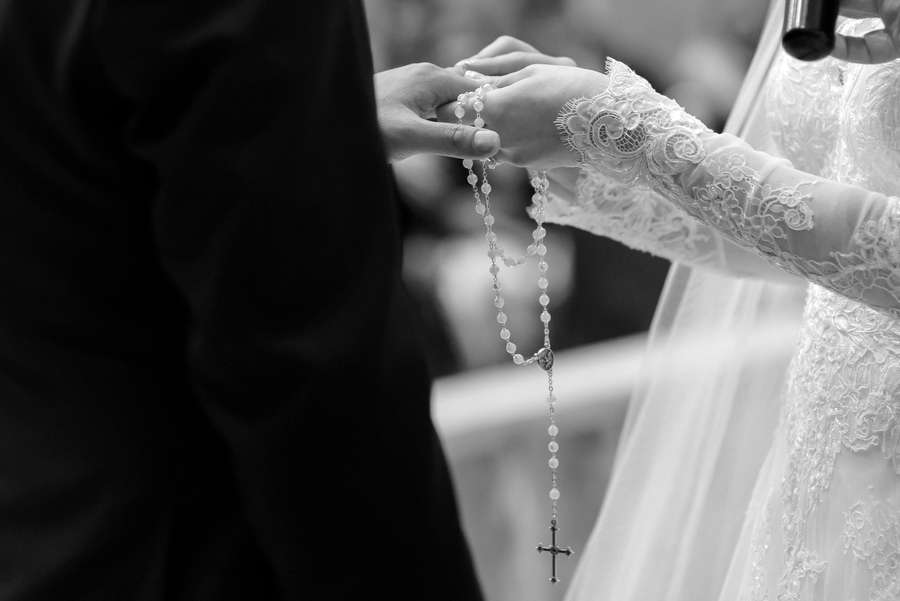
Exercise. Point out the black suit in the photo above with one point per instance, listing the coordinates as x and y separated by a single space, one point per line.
210 381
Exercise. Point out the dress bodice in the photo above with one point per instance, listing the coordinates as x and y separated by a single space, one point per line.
840 121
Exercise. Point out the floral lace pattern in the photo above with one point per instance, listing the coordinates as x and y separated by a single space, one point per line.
872 535
639 218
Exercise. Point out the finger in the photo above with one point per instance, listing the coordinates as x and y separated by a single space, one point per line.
514 77
459 141
504 45
514 61
874 47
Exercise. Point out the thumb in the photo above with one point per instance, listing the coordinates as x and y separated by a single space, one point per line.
453 140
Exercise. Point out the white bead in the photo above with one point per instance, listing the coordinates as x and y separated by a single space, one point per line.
554 494
460 112
541 250
551 400
467 163
493 253
490 237
501 317
461 98
535 181
542 266
472 179
499 302
553 463
552 430
510 348
544 300
539 233
486 188
504 334
545 317
518 359
479 208
509 261
489 220
479 122
543 283
553 446
494 269
536 198
478 106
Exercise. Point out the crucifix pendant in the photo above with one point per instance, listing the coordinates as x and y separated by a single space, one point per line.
554 550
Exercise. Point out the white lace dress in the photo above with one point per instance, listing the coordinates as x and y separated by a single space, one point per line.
825 521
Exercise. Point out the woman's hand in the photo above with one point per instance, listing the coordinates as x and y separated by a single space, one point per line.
523 107
507 54
879 46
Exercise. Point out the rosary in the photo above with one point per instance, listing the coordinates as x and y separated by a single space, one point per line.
544 356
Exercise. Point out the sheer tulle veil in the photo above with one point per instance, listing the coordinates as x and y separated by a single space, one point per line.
700 422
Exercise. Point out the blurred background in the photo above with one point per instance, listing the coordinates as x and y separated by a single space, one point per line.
491 414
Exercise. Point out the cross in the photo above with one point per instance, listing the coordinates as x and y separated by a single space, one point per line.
554 550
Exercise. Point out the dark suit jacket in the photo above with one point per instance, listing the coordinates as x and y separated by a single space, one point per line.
210 382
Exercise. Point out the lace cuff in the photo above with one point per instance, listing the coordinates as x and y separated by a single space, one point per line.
838 236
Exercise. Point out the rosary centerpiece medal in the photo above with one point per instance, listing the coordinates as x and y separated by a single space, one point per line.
544 356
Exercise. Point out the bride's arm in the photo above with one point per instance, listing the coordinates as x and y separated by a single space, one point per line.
841 237
645 220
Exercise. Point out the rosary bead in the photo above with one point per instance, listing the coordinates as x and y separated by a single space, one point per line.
544 300
543 283
542 266
545 317
539 233
486 188
479 122
478 106
510 348
553 463
509 262
490 237
553 446
499 302
504 333
536 198
518 359
495 269
501 317
461 98
467 163
541 250
551 399
552 430
554 494
460 112
472 179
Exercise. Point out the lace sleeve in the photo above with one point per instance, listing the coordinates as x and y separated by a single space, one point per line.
640 218
841 237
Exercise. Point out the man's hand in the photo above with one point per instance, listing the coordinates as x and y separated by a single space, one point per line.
879 46
407 97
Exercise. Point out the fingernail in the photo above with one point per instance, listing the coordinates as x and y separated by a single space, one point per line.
473 75
485 141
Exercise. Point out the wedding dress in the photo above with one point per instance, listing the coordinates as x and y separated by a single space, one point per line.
820 518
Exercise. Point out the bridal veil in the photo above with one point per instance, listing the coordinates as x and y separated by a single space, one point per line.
701 419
